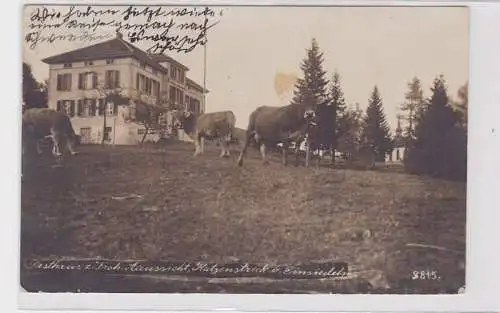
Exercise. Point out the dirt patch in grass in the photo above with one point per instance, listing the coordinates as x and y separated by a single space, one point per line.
160 203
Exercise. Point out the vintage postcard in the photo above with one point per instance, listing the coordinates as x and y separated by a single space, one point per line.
244 149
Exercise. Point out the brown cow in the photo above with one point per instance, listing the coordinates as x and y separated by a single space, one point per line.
269 126
217 126
41 123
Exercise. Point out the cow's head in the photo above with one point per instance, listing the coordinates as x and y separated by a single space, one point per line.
310 116
309 109
179 118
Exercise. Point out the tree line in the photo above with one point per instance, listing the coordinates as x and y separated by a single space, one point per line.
434 137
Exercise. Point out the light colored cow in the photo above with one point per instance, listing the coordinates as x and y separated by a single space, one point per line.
41 123
217 126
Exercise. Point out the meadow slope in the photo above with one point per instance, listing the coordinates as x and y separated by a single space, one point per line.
209 209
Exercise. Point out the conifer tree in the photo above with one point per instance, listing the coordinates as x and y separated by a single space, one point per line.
311 88
376 133
463 102
412 107
340 122
436 134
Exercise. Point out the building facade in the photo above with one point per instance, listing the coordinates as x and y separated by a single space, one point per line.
80 80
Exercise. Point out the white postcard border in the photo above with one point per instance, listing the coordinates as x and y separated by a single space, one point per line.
482 211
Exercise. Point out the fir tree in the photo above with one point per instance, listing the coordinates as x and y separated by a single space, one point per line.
412 107
376 133
338 112
461 106
311 88
436 134
349 140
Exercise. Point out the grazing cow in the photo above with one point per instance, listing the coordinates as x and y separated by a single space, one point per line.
269 126
42 123
217 126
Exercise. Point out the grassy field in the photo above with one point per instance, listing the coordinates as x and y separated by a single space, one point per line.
205 208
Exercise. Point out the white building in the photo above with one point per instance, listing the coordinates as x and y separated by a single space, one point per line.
80 79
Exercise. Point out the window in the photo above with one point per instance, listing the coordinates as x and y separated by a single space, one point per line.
141 131
110 61
196 105
87 80
181 76
107 133
173 72
66 106
85 135
176 95
67 65
112 79
177 74
88 63
155 88
100 106
155 72
64 82
110 109
86 107
143 65
193 105
147 85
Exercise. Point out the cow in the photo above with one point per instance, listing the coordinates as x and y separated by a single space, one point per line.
269 126
218 126
44 123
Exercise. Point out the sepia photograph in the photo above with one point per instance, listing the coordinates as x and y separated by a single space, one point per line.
244 149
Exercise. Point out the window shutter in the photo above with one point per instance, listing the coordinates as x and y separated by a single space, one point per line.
117 79
115 109
94 80
79 107
58 82
137 81
92 107
58 104
80 81
101 107
106 79
72 108
69 82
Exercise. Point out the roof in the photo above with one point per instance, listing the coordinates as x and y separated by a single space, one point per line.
160 58
194 84
113 48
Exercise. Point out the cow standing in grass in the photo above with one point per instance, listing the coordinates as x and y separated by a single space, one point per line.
269 126
218 126
41 123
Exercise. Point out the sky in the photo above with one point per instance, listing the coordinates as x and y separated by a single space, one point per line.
254 53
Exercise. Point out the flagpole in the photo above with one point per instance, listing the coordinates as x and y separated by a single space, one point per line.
205 73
